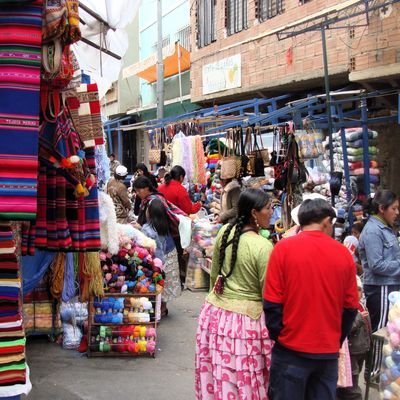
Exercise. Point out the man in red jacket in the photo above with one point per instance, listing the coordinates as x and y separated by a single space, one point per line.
310 301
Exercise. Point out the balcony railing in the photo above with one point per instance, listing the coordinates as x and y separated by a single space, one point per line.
183 36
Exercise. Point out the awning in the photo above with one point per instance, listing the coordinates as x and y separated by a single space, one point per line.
147 69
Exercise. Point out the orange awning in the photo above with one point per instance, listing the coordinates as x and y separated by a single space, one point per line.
147 69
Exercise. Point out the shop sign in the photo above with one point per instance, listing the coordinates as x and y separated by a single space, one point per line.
222 75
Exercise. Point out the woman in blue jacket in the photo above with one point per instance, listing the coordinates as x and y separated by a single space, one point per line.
379 253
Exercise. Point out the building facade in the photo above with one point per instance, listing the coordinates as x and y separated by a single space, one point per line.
237 49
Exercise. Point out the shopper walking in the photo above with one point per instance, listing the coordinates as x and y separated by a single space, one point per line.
231 190
175 193
157 228
119 194
114 163
141 170
379 253
359 343
310 301
232 342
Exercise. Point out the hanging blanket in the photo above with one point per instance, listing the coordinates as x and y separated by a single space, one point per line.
85 112
20 60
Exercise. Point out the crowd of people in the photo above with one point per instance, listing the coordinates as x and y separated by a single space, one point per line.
277 316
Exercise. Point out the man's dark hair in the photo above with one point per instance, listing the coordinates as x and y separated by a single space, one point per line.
314 211
112 155
142 182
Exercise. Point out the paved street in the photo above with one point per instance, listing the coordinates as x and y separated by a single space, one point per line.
59 374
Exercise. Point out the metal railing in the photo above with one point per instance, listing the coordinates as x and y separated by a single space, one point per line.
183 36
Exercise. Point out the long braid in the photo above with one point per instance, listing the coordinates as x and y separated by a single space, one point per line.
224 241
235 244
238 224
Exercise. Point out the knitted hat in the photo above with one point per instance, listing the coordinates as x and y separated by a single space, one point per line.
121 170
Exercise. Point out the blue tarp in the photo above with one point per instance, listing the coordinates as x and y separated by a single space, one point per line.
34 268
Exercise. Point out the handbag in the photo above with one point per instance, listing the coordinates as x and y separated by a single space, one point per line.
258 161
230 163
55 17
155 152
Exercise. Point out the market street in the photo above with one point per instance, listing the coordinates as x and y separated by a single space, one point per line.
60 374
66 375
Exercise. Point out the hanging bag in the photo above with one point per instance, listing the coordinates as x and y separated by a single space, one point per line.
155 152
230 163
258 159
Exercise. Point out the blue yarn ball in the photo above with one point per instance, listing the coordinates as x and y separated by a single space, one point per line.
152 287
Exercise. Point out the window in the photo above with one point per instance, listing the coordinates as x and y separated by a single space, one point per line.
269 8
205 22
236 16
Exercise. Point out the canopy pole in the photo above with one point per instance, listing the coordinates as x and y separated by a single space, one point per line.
160 63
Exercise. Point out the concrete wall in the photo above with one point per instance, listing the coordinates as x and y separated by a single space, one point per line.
265 62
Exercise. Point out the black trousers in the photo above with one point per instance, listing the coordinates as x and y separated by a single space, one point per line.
293 377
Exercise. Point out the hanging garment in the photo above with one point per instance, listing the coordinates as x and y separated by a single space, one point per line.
85 112
20 54
65 221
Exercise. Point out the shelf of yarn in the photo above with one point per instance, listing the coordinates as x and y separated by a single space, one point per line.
123 324
122 340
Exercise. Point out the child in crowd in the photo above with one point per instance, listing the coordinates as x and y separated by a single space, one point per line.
157 228
359 343
351 242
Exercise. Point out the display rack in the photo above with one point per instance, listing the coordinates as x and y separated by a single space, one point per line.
123 325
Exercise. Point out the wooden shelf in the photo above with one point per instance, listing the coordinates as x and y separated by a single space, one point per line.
123 324
110 324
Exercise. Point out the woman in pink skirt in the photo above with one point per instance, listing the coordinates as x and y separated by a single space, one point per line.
233 348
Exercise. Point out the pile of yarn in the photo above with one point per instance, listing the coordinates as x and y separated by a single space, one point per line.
120 310
133 269
390 377
134 339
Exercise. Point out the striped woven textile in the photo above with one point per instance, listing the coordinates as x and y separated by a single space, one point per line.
12 340
20 60
64 222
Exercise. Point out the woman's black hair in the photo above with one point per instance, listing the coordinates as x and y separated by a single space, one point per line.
358 226
142 182
158 217
142 167
313 211
250 199
383 198
175 174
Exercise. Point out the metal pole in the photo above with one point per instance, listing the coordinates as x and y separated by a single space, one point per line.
328 103
177 44
160 64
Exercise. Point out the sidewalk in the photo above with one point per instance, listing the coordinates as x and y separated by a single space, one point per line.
59 374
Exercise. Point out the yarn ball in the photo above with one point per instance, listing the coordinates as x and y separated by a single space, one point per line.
394 339
150 346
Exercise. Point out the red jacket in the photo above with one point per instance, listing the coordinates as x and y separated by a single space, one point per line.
175 193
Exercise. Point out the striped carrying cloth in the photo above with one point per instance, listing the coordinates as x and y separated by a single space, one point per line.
20 60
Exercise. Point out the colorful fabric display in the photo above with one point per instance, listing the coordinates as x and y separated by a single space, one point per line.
359 143
85 112
360 164
351 158
13 369
353 134
358 151
360 171
20 55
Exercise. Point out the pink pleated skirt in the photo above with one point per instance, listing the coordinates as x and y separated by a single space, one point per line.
233 356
